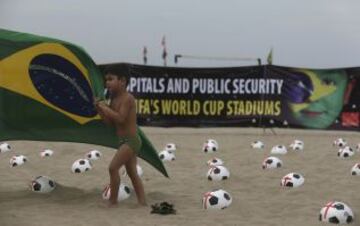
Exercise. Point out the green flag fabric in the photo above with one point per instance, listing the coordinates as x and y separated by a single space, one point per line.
47 87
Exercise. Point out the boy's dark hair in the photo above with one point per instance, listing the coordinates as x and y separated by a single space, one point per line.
120 70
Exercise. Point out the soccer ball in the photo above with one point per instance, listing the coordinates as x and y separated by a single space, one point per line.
81 165
355 170
166 155
340 142
337 213
292 180
170 147
272 163
257 144
210 145
345 152
279 149
17 160
42 184
217 200
4 147
46 153
124 192
93 155
297 145
218 173
215 162
139 171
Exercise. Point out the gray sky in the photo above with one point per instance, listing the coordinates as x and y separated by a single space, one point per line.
305 33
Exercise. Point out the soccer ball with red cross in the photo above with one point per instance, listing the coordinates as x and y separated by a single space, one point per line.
337 213
292 180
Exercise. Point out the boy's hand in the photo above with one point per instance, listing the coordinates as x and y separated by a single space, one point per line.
98 102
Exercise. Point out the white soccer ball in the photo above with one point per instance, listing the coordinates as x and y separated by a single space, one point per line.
170 147
355 170
257 144
17 160
272 163
345 152
340 142
166 155
93 155
5 147
279 149
216 200
139 171
292 180
215 162
337 213
81 165
124 192
218 173
297 145
46 153
210 146
42 184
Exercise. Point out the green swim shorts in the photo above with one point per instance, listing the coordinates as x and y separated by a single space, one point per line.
134 142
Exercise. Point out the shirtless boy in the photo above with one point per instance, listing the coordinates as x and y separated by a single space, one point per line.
121 113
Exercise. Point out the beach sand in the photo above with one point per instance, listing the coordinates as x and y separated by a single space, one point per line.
257 196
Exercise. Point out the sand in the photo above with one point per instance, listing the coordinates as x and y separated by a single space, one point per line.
257 196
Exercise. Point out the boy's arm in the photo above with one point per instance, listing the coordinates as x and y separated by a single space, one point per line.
121 114
102 113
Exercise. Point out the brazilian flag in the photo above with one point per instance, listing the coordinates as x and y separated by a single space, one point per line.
47 88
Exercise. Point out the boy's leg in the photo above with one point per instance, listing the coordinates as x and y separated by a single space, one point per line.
121 157
135 179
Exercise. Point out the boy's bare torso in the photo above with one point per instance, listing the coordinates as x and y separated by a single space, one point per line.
128 126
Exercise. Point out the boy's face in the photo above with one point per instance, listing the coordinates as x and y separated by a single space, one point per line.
325 102
115 84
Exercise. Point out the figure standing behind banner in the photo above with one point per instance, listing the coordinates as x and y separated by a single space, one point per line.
316 97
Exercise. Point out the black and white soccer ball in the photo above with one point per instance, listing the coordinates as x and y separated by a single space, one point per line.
139 171
46 153
337 213
81 165
124 192
42 184
355 170
215 162
210 146
216 200
258 145
292 180
18 160
166 156
272 163
218 173
170 147
345 152
340 142
93 155
279 150
297 145
5 147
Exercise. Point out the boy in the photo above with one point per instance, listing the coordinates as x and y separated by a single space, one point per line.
122 115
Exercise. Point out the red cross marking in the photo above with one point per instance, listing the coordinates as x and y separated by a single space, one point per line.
328 206
207 195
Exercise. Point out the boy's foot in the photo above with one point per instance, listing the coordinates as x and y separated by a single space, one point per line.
107 204
111 204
